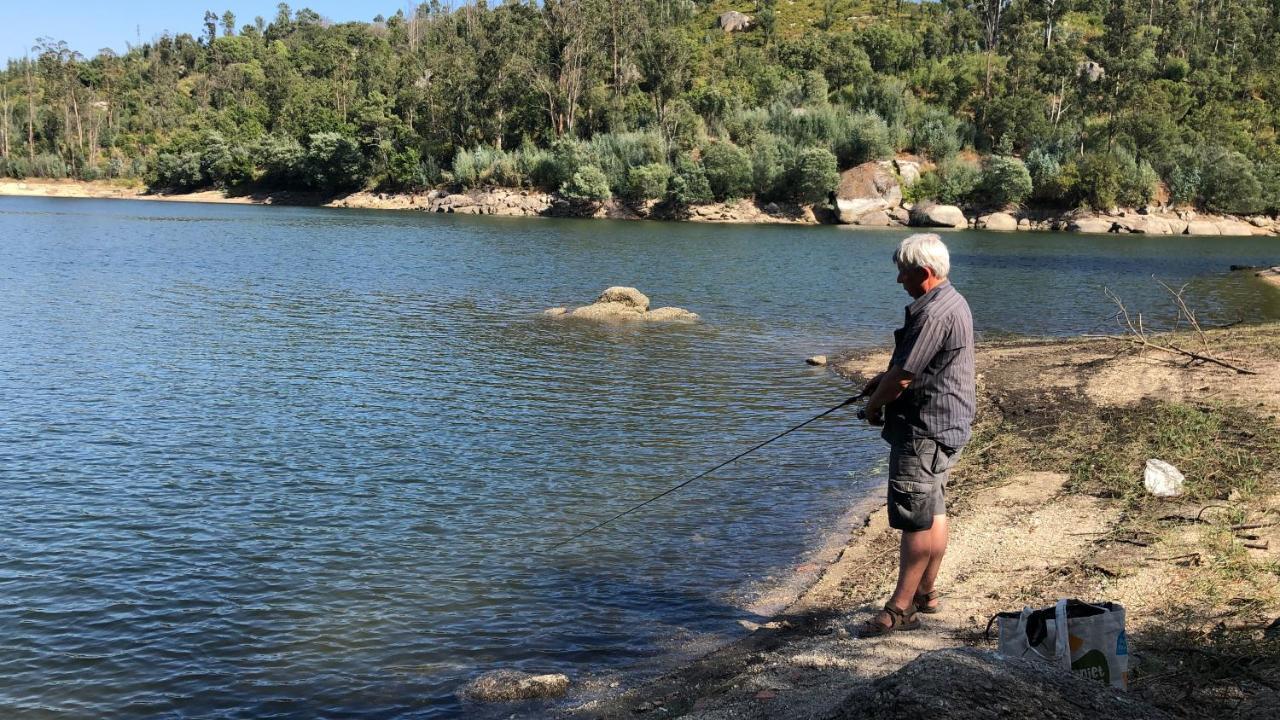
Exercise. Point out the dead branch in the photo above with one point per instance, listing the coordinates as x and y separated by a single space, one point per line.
1138 335
1252 526
1263 545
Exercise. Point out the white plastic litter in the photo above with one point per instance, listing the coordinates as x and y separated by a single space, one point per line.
1163 479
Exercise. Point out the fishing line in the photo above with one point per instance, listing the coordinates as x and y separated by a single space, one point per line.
667 492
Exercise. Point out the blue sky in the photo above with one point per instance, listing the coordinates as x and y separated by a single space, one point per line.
89 25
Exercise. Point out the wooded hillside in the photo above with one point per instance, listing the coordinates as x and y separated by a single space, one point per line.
1053 102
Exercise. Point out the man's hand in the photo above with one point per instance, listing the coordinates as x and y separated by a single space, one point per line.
875 414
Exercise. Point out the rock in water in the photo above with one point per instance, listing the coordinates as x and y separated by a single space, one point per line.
818 360
971 684
623 304
508 685
671 314
625 295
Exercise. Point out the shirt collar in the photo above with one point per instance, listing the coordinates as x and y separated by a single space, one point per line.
928 297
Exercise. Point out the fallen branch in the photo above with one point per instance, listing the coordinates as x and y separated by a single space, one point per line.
1264 545
1138 334
1253 526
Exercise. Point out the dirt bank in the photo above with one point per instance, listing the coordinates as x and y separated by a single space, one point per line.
1048 502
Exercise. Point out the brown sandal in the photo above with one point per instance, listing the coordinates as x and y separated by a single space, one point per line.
899 621
922 600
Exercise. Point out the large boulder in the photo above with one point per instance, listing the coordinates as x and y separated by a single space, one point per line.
1203 227
1235 227
972 684
908 171
1144 225
734 21
1090 224
998 221
870 180
944 216
509 685
852 210
879 218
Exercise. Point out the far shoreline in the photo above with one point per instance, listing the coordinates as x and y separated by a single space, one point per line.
514 202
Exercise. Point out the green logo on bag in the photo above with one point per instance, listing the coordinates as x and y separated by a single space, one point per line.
1093 665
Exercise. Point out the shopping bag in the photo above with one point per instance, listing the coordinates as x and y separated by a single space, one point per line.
1094 644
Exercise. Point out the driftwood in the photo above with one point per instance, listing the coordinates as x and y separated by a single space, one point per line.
1139 334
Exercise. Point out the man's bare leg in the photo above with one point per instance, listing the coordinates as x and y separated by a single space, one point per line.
938 536
920 557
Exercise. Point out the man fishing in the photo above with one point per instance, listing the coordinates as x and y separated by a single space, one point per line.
925 401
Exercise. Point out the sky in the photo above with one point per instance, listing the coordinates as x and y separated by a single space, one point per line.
90 25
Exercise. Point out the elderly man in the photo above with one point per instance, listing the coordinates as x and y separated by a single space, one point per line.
925 401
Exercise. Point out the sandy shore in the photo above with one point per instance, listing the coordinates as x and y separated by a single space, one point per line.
1046 503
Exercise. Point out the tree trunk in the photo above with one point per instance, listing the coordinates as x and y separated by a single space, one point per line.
31 116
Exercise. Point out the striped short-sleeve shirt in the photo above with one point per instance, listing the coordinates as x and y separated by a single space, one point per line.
935 345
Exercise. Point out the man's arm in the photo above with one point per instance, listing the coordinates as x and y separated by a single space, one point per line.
892 383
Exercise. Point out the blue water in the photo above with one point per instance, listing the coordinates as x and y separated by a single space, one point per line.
278 462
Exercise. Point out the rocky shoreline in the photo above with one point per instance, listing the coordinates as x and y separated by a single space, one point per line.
869 196
1024 531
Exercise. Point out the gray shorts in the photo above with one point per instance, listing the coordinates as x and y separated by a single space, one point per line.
918 474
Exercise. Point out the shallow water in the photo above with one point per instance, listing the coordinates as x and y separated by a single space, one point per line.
274 462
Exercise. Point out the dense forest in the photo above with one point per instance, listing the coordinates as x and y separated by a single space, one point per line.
1061 103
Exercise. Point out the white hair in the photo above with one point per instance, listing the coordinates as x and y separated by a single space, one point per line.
924 250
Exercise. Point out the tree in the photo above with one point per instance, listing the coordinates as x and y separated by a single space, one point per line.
1005 181
728 170
210 27
228 24
814 175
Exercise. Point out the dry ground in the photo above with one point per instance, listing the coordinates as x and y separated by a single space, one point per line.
1048 502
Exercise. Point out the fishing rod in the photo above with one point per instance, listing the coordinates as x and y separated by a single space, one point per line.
628 511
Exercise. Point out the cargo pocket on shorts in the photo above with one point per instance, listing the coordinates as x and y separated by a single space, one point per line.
910 505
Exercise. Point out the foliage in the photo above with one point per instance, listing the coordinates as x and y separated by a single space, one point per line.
587 183
689 185
1005 181
728 170
647 182
529 94
813 175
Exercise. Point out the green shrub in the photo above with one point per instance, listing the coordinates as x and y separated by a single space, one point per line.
224 164
334 162
49 165
936 134
536 166
1047 182
814 175
866 137
178 171
728 169
647 182
1184 184
958 180
688 185
1137 182
407 170
1098 180
588 183
768 165
1228 183
1005 181
465 172
1269 179
282 160
616 153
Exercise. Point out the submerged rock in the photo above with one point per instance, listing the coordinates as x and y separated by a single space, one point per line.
508 685
818 360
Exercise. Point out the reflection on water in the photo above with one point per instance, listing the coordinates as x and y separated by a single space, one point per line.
285 462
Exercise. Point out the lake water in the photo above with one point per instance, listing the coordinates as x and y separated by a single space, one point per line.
278 462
